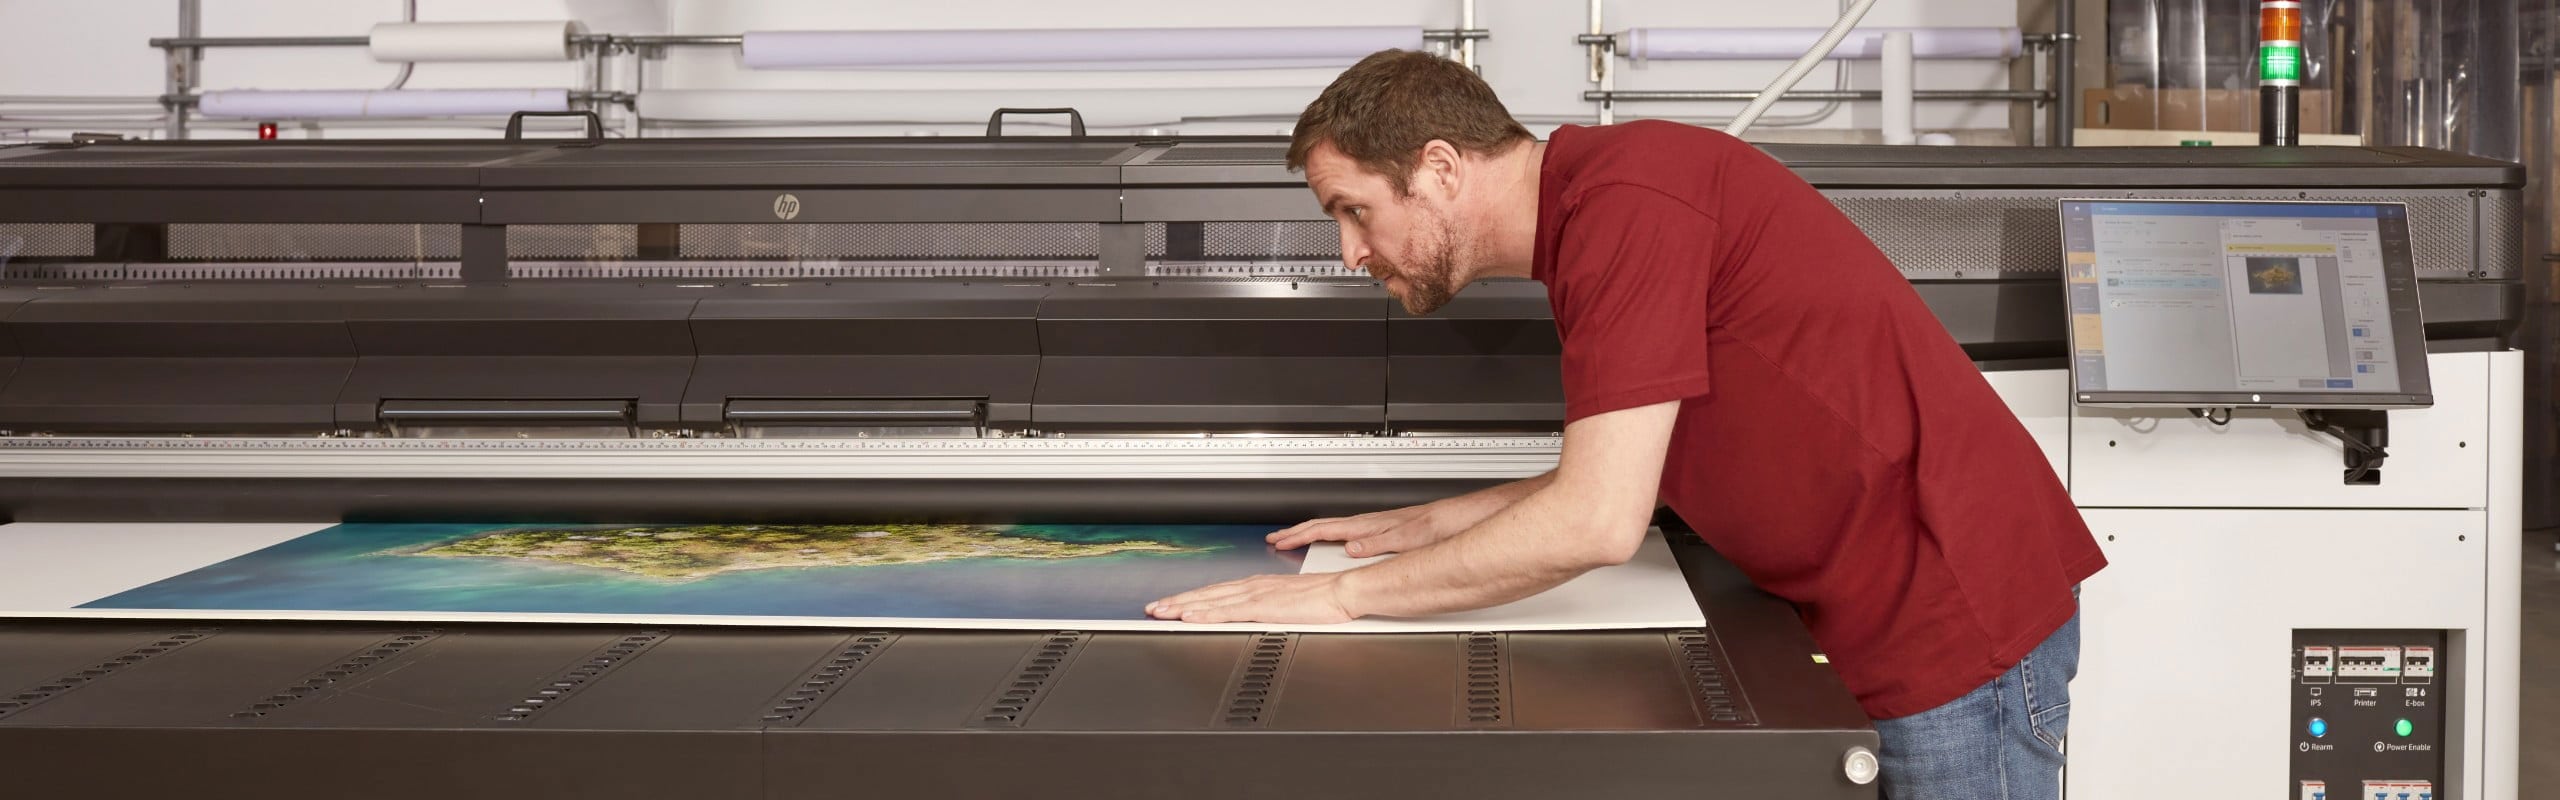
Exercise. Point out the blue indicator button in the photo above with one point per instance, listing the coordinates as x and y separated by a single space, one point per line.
2319 727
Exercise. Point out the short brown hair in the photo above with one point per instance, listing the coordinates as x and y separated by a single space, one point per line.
1381 112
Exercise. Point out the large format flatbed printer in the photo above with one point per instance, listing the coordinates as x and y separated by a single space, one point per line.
983 329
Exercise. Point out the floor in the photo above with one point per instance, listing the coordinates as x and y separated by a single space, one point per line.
2540 748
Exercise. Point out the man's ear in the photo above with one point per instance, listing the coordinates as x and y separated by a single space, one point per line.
1441 168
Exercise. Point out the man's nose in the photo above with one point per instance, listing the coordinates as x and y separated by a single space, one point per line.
1354 253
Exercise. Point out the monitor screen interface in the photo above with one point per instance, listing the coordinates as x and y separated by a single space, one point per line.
2231 303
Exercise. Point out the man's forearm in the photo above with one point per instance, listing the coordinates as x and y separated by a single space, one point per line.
1471 509
1526 547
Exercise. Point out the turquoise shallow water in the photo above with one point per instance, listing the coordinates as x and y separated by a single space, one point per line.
343 568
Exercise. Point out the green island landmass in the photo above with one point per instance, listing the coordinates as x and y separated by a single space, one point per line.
693 552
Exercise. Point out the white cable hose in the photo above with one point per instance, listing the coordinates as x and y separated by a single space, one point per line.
408 14
1796 71
1839 83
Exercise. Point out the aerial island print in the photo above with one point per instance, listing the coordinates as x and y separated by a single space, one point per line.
1063 572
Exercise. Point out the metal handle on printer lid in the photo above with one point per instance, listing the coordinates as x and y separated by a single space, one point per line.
1075 120
595 125
872 411
507 410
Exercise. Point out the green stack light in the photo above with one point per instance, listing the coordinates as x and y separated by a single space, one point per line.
2280 62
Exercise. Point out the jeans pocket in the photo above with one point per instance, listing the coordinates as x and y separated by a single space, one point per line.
2048 698
2050 724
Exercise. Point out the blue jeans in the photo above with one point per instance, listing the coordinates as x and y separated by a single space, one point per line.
2002 741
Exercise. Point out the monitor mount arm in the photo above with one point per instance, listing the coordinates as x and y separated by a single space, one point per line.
2364 432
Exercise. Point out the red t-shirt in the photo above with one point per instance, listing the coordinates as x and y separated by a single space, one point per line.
1833 441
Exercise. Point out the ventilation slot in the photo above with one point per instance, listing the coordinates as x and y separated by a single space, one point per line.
364 658
588 670
1256 684
48 690
1718 698
1487 680
821 680
1013 702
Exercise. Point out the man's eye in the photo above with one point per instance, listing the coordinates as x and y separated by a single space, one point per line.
1359 213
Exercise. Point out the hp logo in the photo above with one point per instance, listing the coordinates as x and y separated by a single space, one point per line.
786 207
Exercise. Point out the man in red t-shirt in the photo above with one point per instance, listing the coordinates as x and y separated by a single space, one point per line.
1736 348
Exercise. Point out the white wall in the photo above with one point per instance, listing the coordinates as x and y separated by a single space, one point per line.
98 49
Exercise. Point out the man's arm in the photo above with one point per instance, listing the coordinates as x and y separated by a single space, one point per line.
1591 512
1401 529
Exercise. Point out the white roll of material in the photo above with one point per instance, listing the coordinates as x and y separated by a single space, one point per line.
357 104
1785 44
1101 108
474 41
1095 49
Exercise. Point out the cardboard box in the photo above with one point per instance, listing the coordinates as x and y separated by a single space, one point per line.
2140 108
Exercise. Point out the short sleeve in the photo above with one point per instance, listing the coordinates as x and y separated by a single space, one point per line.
1632 267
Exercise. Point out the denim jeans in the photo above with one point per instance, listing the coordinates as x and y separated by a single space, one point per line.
2002 741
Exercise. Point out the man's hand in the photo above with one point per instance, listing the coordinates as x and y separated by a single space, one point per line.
1371 534
1281 599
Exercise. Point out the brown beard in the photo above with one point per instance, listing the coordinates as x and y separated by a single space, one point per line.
1430 278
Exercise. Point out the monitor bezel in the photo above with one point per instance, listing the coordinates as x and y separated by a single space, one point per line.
2408 328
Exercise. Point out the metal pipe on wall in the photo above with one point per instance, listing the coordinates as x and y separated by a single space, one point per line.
2066 89
1467 22
182 65
1603 72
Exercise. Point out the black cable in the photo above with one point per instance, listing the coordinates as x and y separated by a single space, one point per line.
2362 457
2220 417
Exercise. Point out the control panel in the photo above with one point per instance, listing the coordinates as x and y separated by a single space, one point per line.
2370 714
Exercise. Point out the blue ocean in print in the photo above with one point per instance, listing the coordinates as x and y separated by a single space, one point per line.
1057 572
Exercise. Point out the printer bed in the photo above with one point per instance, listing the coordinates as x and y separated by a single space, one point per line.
143 708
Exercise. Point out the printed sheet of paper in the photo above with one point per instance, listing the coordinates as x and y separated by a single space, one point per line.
1043 577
